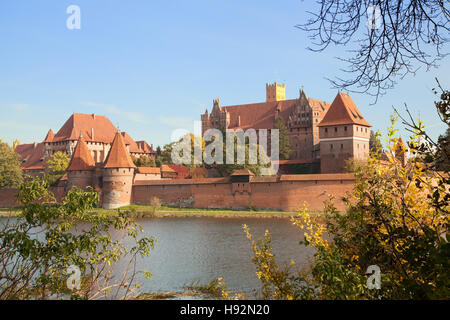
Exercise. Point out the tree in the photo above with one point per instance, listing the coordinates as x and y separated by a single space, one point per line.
48 236
226 169
443 162
10 171
58 163
397 219
393 38
374 143
284 144
144 161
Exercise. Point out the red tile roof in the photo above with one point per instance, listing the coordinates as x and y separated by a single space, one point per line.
31 156
262 115
50 136
118 156
150 170
145 147
92 127
242 172
81 158
166 168
343 111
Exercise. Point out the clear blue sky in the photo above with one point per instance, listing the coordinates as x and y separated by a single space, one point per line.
154 66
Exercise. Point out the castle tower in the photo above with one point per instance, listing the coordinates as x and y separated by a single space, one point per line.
343 134
80 171
118 174
275 92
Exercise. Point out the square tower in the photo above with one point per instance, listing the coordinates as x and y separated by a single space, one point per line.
343 134
275 92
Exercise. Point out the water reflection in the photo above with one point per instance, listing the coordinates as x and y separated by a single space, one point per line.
202 249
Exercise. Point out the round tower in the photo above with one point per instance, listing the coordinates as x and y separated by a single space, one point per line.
80 171
118 174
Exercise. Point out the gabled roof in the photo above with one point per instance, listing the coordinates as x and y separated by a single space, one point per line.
132 145
93 128
31 156
81 158
49 137
343 111
262 115
145 147
118 156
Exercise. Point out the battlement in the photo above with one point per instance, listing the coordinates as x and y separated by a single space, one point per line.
275 92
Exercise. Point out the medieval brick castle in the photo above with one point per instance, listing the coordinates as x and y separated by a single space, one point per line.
318 132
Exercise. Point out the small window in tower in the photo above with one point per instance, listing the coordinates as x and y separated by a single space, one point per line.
335 129
356 128
331 146
326 129
342 146
345 128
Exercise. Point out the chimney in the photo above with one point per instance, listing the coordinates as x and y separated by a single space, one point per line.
239 121
93 116
92 132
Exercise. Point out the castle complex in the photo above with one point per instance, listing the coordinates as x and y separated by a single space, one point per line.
318 130
101 157
98 133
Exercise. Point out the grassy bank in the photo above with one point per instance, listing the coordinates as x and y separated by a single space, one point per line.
146 211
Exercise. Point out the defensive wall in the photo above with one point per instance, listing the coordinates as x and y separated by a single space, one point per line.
286 192
8 197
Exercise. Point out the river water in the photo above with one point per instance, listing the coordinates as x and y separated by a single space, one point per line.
198 250
202 249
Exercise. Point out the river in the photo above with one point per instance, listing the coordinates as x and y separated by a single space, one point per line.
190 250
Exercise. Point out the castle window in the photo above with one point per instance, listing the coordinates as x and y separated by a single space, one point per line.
356 128
335 129
345 128
326 129
331 146
342 146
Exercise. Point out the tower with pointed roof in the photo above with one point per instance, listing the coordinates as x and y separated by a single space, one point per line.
343 134
80 171
118 174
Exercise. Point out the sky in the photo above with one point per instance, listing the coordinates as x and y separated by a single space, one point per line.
153 67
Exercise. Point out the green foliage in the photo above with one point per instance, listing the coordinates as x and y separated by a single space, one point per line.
144 161
49 236
58 163
284 144
375 145
397 219
10 171
226 169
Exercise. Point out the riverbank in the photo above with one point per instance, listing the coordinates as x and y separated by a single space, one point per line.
146 211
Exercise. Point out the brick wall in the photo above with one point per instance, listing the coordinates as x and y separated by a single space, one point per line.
8 196
288 192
